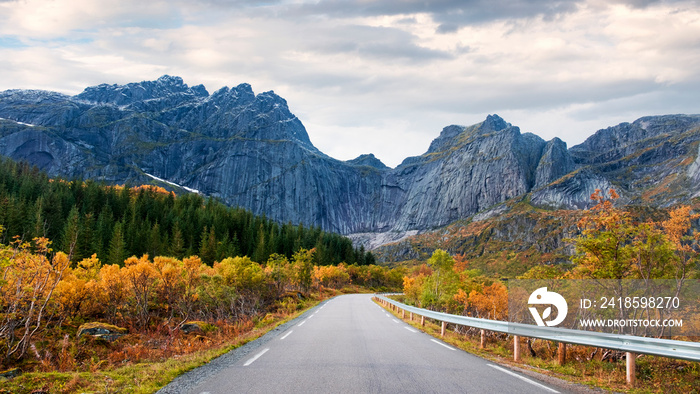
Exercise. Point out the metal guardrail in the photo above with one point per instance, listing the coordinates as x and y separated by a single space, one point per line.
640 345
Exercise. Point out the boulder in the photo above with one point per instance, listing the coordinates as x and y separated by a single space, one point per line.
104 331
10 373
197 327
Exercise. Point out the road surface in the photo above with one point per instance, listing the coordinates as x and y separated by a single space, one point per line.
349 344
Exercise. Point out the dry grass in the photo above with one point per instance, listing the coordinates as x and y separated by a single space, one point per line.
139 362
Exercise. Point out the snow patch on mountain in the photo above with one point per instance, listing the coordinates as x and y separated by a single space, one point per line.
173 184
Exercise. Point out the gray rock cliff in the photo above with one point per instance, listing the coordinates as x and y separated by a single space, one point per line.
250 150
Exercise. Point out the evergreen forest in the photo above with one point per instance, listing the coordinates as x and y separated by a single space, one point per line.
83 218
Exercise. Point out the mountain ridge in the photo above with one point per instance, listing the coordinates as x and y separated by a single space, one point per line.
251 151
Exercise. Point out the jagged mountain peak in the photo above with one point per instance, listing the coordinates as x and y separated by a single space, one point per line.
32 94
454 136
233 97
164 87
616 142
368 160
251 151
170 80
494 123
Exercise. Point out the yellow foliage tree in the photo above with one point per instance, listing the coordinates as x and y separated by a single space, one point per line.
491 303
114 291
331 276
141 278
686 241
79 292
29 280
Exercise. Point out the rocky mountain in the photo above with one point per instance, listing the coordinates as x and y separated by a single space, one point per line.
249 150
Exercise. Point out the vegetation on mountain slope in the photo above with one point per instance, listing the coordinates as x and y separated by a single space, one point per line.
115 222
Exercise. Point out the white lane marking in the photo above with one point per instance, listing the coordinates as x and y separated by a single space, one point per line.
532 382
257 356
301 324
411 330
442 344
395 321
286 335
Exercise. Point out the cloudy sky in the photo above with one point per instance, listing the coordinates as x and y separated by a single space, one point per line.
380 76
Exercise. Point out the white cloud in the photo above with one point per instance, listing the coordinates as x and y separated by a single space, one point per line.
385 77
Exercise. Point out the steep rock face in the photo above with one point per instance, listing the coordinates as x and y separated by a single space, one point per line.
249 150
617 142
554 164
464 171
649 161
572 191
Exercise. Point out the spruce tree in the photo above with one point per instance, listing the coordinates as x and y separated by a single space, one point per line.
207 248
71 232
117 246
177 246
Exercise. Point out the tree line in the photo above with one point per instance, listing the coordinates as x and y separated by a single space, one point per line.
83 218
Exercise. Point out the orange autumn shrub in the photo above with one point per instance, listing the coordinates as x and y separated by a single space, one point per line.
29 278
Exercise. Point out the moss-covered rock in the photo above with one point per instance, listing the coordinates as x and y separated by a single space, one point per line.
104 331
10 373
197 327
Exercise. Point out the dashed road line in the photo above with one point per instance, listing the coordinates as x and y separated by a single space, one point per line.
411 330
532 382
257 356
286 335
442 344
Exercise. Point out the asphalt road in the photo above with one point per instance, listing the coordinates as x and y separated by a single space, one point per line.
351 345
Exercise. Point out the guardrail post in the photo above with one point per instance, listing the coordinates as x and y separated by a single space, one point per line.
442 330
483 339
411 316
631 368
561 353
422 320
403 314
516 348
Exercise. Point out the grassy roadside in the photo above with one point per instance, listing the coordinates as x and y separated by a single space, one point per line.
654 374
146 376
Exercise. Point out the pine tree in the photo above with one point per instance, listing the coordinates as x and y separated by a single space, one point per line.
85 248
103 232
177 246
117 246
39 221
154 242
361 256
207 248
71 232
260 254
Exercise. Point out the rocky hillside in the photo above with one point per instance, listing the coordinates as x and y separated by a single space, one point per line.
249 150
